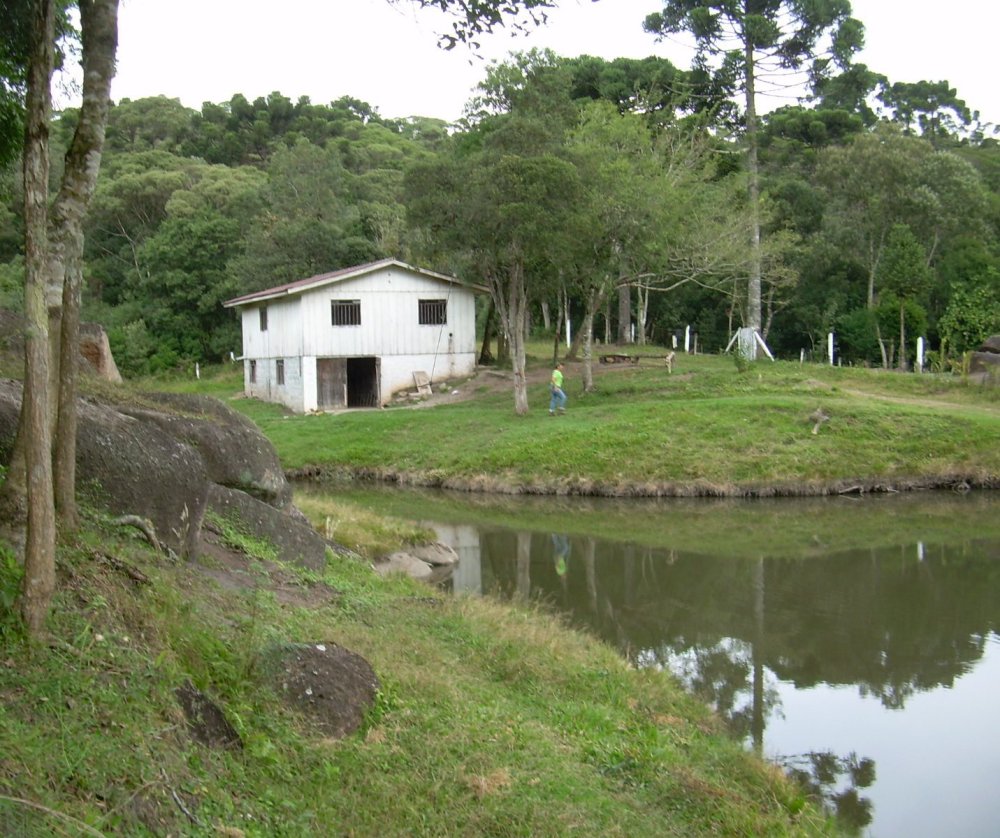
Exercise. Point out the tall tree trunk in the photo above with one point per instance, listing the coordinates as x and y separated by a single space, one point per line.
642 312
558 330
503 348
485 356
902 337
40 537
99 31
64 460
624 314
587 333
518 308
510 296
753 188
881 345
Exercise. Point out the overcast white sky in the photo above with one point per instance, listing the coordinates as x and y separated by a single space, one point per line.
387 55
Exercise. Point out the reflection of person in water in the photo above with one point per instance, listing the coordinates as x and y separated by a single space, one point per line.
560 553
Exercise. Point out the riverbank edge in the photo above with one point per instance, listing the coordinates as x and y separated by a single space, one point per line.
584 487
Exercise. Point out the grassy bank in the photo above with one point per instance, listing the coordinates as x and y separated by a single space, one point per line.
490 720
706 429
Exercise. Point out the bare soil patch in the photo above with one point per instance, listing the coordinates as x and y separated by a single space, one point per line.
492 380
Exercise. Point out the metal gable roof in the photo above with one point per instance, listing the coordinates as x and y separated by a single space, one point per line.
301 285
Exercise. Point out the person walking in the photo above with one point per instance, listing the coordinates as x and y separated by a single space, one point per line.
558 400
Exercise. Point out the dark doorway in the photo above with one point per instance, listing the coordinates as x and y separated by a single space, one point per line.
362 382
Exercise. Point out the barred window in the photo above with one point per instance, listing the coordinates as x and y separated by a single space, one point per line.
263 318
253 372
433 312
345 312
279 369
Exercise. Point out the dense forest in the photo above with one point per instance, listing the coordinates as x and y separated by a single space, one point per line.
614 191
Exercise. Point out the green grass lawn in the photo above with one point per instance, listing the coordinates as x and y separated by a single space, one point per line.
705 429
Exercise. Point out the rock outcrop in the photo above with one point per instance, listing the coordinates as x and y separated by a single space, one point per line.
95 350
430 562
984 364
171 459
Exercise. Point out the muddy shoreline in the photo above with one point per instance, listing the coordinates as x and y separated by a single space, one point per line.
583 487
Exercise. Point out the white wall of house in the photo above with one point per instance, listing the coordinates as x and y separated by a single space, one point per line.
290 391
300 330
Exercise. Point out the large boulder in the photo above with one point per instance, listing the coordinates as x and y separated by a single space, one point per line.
95 349
984 364
131 467
236 454
294 538
167 459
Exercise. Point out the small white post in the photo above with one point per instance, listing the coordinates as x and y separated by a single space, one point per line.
920 354
569 337
829 347
802 356
687 338
197 371
673 340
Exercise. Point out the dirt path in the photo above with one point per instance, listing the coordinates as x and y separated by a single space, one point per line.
501 380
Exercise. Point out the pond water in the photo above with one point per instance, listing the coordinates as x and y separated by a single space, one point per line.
852 640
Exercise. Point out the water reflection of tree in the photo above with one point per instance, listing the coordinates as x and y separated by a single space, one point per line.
890 622
724 677
884 621
836 782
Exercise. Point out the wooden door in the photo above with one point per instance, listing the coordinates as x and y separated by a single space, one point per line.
331 383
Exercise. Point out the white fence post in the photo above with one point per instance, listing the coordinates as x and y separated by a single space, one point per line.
829 347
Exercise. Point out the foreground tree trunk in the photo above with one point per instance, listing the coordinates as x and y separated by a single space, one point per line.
40 535
99 27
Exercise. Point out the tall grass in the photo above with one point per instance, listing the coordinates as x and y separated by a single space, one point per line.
490 720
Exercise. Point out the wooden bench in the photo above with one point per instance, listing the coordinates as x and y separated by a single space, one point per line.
619 358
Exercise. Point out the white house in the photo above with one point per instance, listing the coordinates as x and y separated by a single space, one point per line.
354 337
